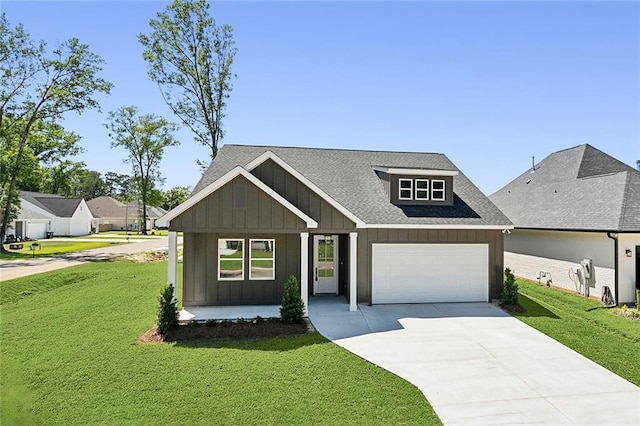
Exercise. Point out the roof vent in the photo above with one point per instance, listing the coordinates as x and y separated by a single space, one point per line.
533 164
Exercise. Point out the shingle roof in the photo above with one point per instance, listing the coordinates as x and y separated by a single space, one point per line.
110 207
52 203
348 177
579 188
106 207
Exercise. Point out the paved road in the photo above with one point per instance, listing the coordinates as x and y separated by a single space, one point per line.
478 365
11 269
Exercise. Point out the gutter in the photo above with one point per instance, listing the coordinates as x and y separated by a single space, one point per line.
615 264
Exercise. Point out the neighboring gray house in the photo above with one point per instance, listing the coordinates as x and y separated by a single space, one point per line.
577 203
50 214
113 215
376 227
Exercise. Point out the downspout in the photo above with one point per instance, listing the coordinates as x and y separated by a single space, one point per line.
615 265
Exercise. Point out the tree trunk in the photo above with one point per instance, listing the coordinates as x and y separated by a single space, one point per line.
12 184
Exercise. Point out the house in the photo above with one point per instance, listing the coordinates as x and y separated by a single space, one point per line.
43 215
111 214
376 227
578 203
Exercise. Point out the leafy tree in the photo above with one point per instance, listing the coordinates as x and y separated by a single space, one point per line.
61 178
88 184
121 187
38 89
145 137
190 59
175 196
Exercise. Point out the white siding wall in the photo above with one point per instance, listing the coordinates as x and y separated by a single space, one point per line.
529 267
80 222
562 245
627 266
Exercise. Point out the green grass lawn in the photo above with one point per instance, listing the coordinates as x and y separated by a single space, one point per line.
53 248
585 326
69 356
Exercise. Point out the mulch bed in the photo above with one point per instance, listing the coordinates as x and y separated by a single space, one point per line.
518 309
224 329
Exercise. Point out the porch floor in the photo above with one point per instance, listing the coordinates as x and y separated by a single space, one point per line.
203 313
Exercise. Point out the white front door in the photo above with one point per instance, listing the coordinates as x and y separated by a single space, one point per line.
325 264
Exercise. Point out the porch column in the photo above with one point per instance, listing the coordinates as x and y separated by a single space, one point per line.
304 269
353 271
173 262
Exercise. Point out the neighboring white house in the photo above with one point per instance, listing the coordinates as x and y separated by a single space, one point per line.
41 215
578 203
112 215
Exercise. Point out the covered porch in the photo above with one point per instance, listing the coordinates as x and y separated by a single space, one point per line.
306 247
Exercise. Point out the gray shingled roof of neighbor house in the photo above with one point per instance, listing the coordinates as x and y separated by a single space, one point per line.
579 188
348 177
52 203
104 206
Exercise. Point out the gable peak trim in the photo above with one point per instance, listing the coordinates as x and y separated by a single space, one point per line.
270 155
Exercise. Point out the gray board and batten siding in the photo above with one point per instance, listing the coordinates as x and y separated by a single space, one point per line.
200 271
329 219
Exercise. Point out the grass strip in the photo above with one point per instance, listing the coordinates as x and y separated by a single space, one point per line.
585 326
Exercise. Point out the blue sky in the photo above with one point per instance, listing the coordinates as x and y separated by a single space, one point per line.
489 84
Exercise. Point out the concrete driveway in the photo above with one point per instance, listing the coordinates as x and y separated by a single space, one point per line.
478 365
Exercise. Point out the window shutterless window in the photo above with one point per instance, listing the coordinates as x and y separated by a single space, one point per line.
262 258
437 190
230 259
422 189
405 189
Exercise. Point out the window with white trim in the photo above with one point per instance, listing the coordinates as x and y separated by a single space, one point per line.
437 190
405 189
422 189
262 258
230 259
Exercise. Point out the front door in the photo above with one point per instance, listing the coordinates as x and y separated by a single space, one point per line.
325 264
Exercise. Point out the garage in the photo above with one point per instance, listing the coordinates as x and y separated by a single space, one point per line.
430 273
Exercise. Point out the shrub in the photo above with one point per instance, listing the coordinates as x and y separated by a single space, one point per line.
292 309
167 309
510 290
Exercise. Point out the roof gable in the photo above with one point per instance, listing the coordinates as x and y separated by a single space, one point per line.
228 177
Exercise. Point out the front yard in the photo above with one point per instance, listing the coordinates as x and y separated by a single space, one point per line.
69 356
47 248
585 326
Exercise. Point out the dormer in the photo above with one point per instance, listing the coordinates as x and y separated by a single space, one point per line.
408 186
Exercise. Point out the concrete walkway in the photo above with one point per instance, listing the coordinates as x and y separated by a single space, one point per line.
10 269
478 365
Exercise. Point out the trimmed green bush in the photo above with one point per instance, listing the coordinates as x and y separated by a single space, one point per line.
510 290
167 309
292 309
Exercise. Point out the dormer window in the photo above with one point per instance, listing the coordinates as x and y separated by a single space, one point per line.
422 189
405 189
437 190
415 187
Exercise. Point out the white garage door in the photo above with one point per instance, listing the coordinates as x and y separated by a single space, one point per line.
36 230
428 273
